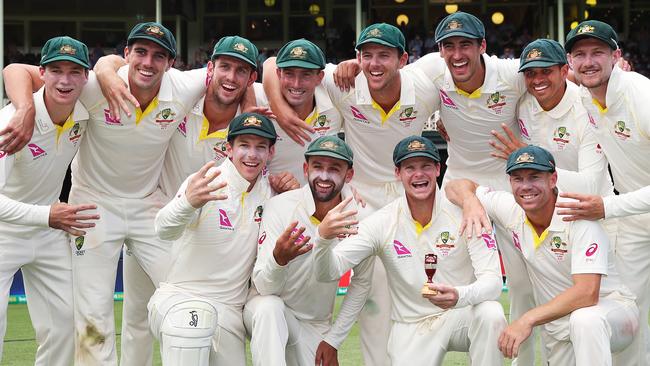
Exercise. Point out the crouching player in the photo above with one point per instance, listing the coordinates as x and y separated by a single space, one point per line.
586 312
214 218
461 314
30 185
290 322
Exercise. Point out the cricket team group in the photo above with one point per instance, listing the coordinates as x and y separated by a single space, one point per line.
238 207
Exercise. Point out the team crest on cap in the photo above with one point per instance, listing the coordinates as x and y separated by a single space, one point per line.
329 145
68 50
298 52
525 158
533 54
454 24
240 47
154 30
375 32
416 145
252 121
585 29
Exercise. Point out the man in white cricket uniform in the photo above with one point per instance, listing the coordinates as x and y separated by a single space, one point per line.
300 65
201 136
214 218
291 320
387 104
588 315
617 114
463 315
30 185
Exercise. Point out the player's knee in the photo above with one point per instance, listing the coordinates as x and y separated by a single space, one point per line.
191 319
266 308
586 321
490 313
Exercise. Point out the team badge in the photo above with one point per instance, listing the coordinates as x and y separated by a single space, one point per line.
257 216
558 248
155 31
219 150
322 125
240 47
78 244
376 33
165 117
454 24
585 29
561 137
75 134
496 102
445 243
67 49
298 52
252 121
622 132
416 145
533 54
407 116
401 250
525 158
329 145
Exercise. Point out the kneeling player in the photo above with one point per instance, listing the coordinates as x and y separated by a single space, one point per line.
586 311
197 312
462 314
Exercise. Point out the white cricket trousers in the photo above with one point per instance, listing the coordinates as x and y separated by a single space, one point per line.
374 319
474 329
43 255
598 335
127 222
278 338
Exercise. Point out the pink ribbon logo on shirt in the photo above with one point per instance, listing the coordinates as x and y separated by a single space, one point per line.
400 249
224 221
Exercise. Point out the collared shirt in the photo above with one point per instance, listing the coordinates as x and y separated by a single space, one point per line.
192 146
31 180
472 266
470 118
623 131
296 283
371 132
289 156
565 132
124 158
565 248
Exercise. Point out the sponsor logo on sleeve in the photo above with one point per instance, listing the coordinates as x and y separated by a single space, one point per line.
262 238
592 249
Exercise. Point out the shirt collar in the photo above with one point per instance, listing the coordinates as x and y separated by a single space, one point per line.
434 213
323 101
407 90
165 92
571 93
236 183
491 77
42 118
614 91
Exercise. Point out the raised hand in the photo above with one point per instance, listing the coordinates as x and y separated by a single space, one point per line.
338 222
291 244
70 219
199 191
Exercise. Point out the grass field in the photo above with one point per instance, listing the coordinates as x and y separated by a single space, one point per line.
20 347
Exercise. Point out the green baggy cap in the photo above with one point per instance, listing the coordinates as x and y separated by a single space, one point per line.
330 146
65 49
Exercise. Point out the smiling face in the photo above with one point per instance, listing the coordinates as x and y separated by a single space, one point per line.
249 155
148 62
534 190
229 78
380 65
326 176
463 58
592 62
418 176
547 84
298 84
64 81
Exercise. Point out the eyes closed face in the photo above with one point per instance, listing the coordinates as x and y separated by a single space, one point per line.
249 154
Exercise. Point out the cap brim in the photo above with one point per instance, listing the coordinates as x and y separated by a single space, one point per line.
299 63
541 168
568 45
235 55
254 131
155 40
330 154
539 63
415 154
458 34
66 58
377 41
